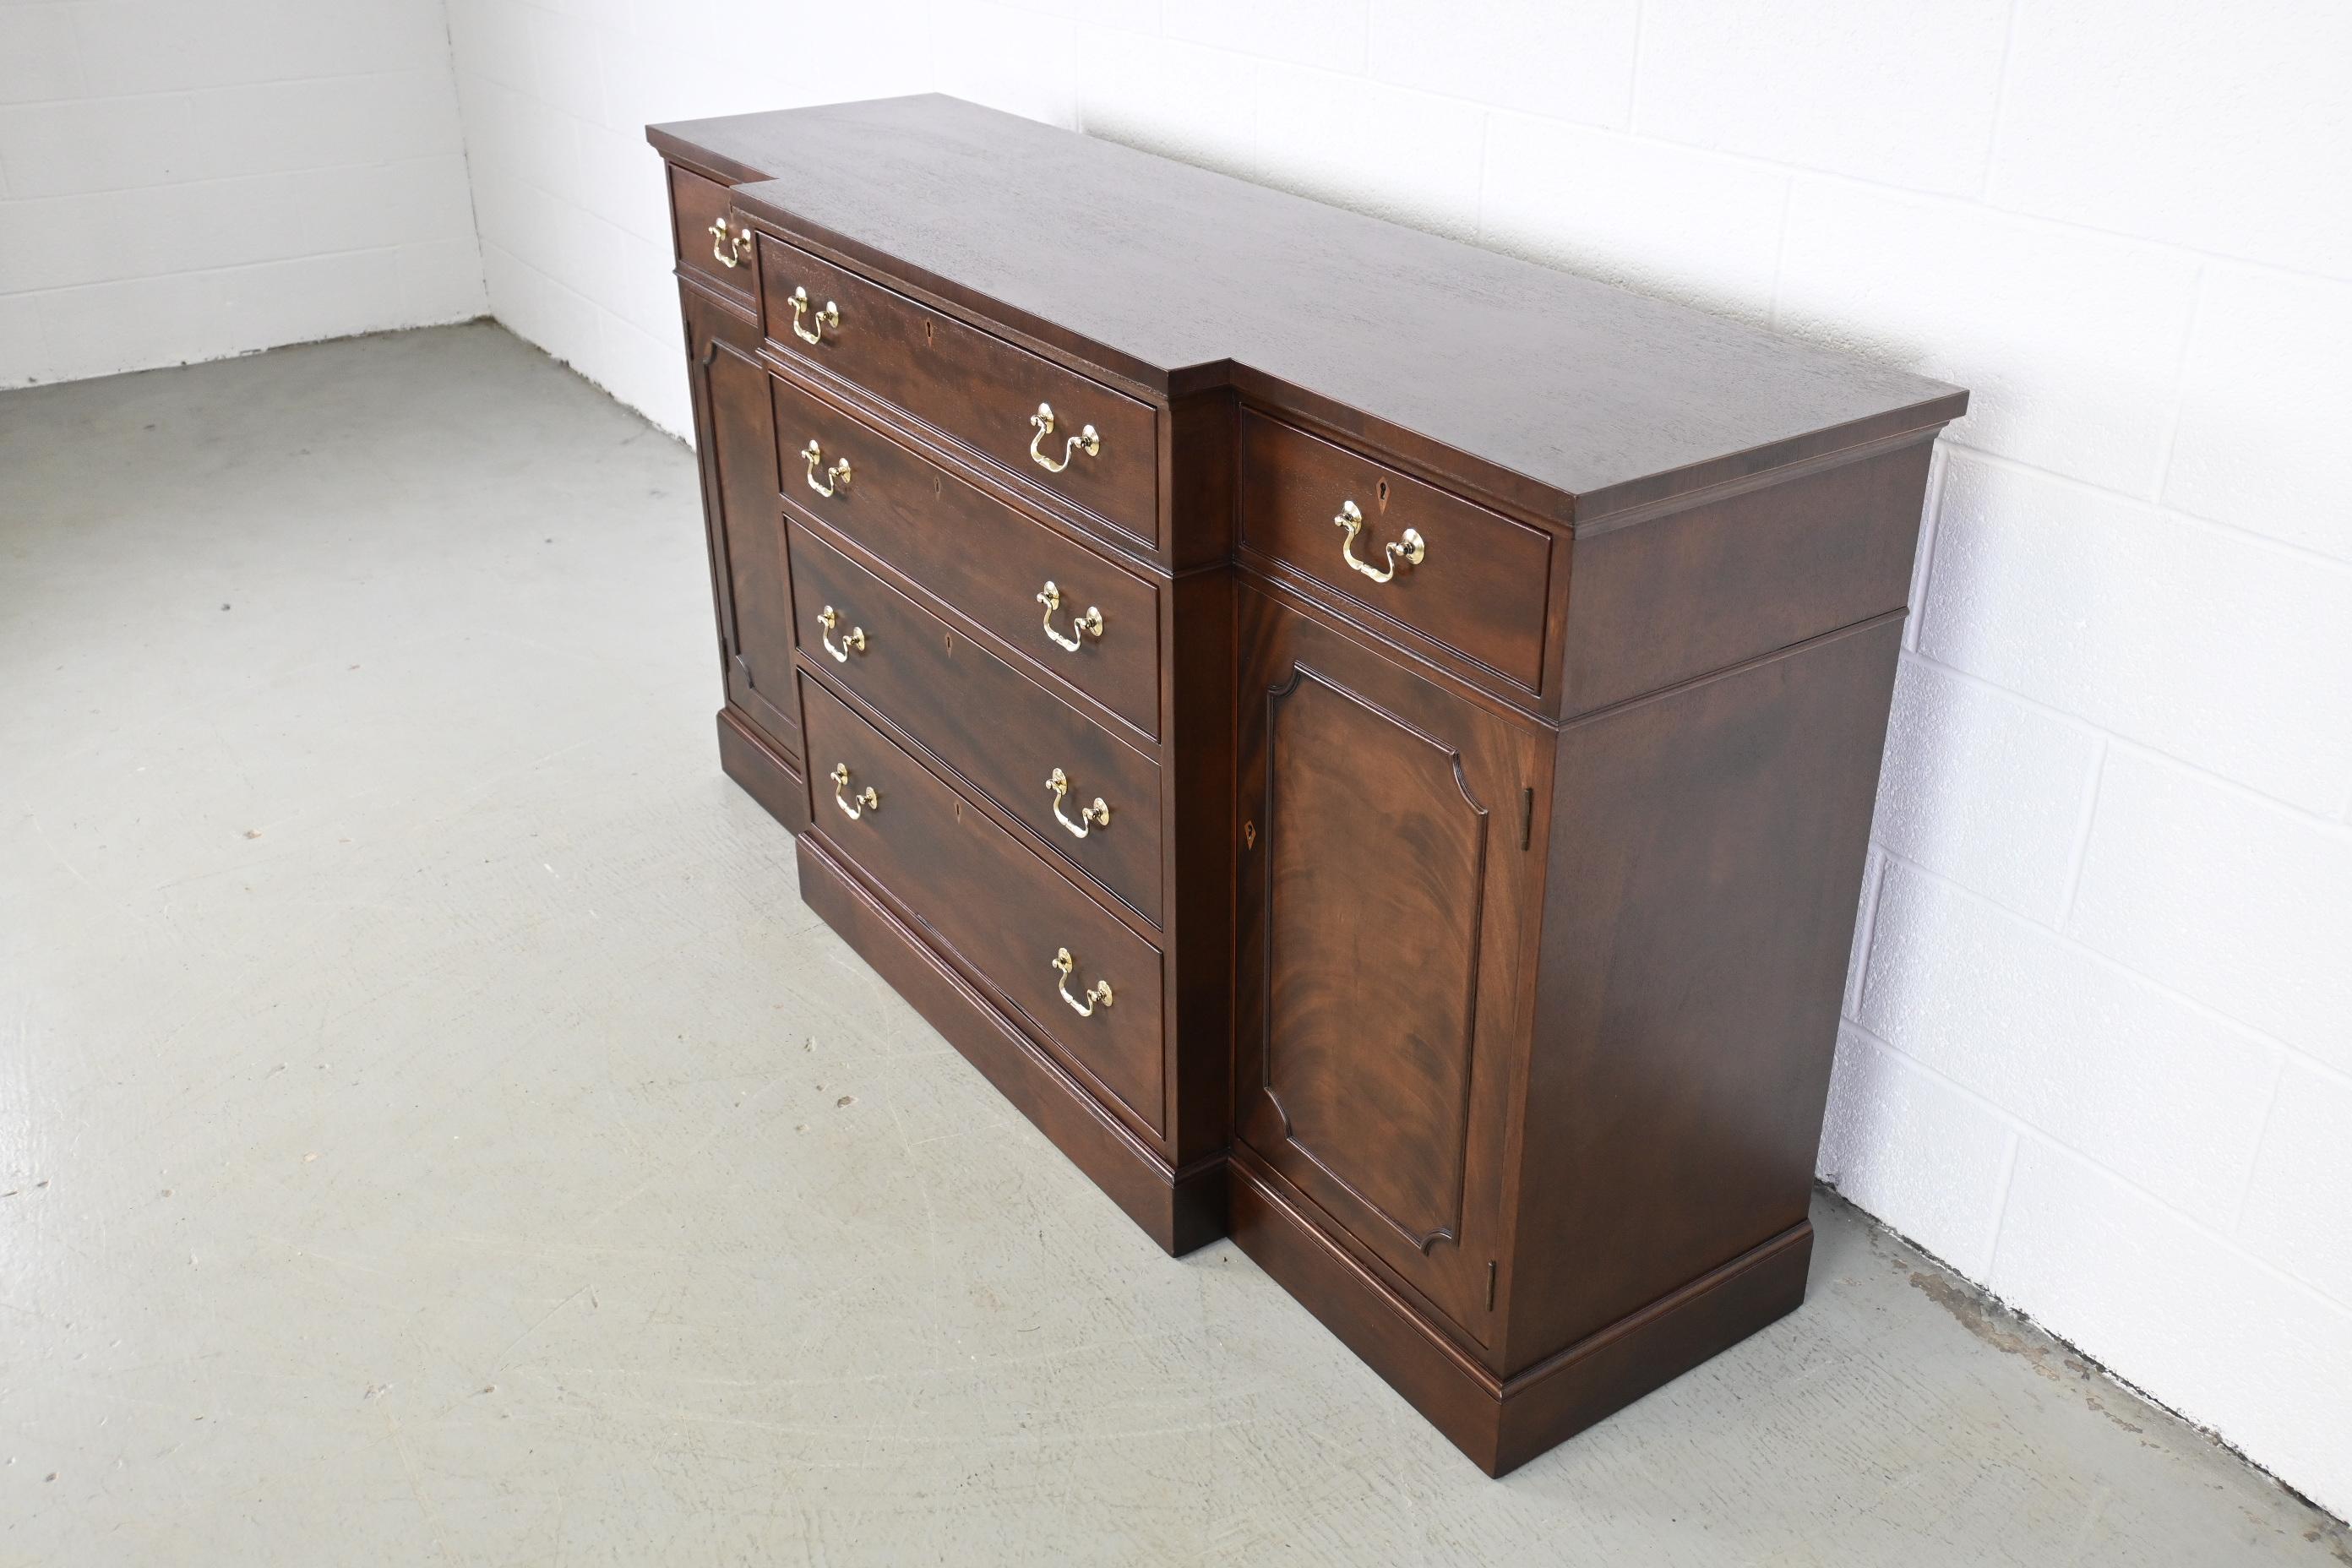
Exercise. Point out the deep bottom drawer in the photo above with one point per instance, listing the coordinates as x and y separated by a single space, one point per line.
990 902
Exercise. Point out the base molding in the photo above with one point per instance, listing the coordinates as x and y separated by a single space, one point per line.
1502 1423
1179 1209
766 775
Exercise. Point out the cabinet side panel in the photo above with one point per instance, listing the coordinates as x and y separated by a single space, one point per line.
1706 859
1670 598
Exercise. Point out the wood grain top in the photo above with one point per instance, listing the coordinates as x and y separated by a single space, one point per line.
1571 397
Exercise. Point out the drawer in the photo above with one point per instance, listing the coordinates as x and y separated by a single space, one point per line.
977 553
997 729
979 391
1480 586
698 207
987 900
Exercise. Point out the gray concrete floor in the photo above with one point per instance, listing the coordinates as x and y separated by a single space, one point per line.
432 1129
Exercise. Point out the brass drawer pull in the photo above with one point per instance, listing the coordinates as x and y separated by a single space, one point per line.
1084 627
1410 550
1086 440
852 806
853 643
728 249
1089 816
828 317
837 478
1099 995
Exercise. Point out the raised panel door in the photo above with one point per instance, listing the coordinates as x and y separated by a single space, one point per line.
1387 884
735 436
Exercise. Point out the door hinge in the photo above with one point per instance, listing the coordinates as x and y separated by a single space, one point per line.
1527 816
1490 1284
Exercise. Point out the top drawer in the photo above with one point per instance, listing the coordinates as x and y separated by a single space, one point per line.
1101 453
709 246
1459 574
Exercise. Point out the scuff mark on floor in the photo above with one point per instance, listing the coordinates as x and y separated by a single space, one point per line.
2337 1540
2010 1334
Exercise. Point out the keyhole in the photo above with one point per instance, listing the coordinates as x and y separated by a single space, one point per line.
1380 493
1249 835
927 333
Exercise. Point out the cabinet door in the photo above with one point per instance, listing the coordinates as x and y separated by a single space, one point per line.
1387 909
734 432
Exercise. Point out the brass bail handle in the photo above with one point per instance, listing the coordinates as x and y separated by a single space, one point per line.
1089 816
1099 995
828 317
853 643
1086 440
837 477
1089 624
1410 550
728 249
852 806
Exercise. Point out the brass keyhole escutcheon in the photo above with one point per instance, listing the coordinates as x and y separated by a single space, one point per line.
1380 493
1249 835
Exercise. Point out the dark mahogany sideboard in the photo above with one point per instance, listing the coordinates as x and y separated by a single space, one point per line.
1369 744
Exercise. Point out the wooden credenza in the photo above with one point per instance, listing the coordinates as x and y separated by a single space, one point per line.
1369 744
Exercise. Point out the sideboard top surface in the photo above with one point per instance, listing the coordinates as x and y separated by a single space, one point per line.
1179 277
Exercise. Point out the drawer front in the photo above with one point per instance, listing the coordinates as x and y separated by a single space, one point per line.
991 902
979 391
977 553
696 204
998 731
1482 582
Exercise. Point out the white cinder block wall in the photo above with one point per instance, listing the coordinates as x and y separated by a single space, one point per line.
181 181
2099 1044
574 216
